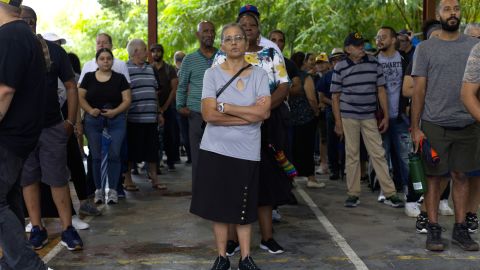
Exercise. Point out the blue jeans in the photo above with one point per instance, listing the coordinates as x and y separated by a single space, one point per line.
398 137
116 128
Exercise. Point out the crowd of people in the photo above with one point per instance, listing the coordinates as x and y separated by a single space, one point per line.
238 113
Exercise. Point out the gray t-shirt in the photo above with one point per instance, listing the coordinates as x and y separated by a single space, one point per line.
472 71
443 63
392 71
242 142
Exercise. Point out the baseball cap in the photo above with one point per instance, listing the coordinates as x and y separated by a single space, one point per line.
53 37
404 32
354 38
15 3
156 46
322 57
249 8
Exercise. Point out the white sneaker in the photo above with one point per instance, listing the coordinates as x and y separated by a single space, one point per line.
99 196
276 217
321 170
412 209
444 209
315 184
79 224
381 197
112 197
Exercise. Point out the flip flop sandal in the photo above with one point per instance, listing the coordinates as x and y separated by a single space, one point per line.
131 188
160 186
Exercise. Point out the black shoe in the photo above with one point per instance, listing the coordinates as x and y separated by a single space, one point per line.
232 247
221 263
434 237
422 221
272 246
334 176
472 222
247 264
461 237
352 201
171 168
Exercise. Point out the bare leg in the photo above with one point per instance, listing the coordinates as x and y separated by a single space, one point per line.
31 195
61 197
232 232
460 194
244 233
128 175
473 194
432 197
265 222
443 186
152 171
221 232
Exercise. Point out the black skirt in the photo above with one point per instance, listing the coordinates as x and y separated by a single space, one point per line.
275 186
225 189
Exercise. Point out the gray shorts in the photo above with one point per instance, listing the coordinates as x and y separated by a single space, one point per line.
457 148
48 161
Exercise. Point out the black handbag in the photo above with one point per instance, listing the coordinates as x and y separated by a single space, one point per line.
204 124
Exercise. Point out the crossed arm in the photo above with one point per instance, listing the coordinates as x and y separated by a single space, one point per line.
235 115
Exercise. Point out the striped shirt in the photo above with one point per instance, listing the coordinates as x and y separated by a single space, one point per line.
357 83
189 92
144 94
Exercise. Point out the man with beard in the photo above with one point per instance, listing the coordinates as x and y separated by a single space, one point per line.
190 85
438 68
167 85
394 65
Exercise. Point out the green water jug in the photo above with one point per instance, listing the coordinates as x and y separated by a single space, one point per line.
417 173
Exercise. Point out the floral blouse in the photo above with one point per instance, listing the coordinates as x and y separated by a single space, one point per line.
276 70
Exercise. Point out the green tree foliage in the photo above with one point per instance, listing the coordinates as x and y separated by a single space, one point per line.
310 25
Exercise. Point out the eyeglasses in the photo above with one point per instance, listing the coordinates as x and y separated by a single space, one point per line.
231 39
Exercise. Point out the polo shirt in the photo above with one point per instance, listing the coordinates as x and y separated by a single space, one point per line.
189 92
144 87
357 83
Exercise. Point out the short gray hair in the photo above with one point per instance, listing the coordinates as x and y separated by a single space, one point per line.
133 45
470 27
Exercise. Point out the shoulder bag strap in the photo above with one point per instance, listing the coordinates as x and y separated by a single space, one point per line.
232 79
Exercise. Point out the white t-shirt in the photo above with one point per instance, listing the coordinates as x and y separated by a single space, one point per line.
118 66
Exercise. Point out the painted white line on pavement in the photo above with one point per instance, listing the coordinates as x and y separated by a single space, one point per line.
337 237
54 252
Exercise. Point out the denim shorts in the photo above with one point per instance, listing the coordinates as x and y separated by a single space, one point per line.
48 161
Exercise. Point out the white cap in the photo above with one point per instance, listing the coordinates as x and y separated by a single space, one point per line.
54 38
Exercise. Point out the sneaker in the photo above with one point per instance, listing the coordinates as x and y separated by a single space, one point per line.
247 264
28 227
221 263
422 222
381 197
71 240
444 209
99 196
38 237
87 208
434 237
394 201
321 170
276 217
79 224
315 184
352 201
472 222
461 237
271 246
412 209
112 197
232 248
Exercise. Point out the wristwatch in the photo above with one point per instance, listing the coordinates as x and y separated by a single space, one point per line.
221 107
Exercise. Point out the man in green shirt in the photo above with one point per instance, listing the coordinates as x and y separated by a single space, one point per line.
190 85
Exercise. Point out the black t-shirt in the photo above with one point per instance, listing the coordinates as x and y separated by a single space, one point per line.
164 77
22 67
60 69
104 94
292 69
